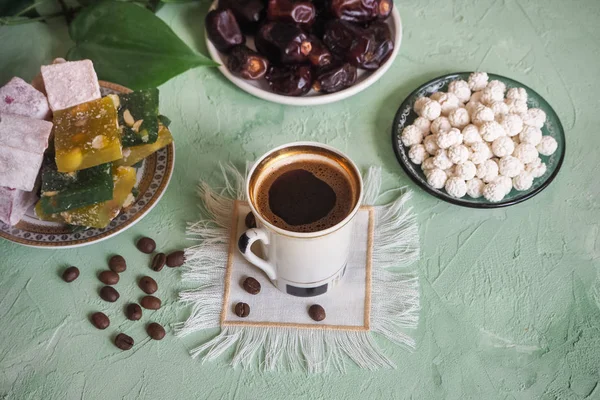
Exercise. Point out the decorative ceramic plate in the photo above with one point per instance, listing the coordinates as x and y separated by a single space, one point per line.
261 88
405 116
153 176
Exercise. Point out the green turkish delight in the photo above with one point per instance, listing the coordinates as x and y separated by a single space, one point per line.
138 116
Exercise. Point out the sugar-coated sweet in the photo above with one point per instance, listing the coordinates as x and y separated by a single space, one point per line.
516 94
70 83
411 135
535 117
458 153
531 134
499 108
24 133
491 130
461 89
480 152
441 160
487 171
437 178
466 170
510 166
19 168
448 101
512 124
20 98
459 118
516 106
428 164
471 134
523 181
430 143
526 153
482 114
450 172
419 103
547 146
449 138
431 110
423 124
503 146
497 86
440 124
475 188
494 192
417 153
506 182
456 187
14 204
536 168
491 94
478 81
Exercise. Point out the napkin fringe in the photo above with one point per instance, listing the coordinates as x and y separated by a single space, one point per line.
395 295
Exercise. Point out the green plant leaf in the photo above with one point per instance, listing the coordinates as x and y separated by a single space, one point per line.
131 46
177 1
17 8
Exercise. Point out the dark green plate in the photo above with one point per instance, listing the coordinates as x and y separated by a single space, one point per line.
405 116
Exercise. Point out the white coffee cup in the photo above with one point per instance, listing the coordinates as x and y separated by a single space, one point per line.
298 263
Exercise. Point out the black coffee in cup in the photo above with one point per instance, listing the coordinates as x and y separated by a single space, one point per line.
305 195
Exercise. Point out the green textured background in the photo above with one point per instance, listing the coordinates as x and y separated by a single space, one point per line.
510 298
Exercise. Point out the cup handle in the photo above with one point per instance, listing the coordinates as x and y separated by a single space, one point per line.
245 244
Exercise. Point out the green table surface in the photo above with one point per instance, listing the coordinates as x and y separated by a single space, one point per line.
510 297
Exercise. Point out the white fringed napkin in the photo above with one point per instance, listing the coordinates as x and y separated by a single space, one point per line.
278 334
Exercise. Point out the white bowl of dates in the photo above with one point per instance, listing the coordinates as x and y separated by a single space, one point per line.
303 52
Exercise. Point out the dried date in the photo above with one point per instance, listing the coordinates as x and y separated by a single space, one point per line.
223 30
292 80
247 63
283 43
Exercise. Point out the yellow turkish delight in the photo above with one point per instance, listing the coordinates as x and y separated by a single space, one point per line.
135 154
86 135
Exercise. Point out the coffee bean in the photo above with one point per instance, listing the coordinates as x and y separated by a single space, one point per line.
109 277
158 262
133 312
123 341
117 264
109 293
242 310
316 312
100 320
155 331
251 285
150 302
148 285
146 245
250 220
175 259
70 274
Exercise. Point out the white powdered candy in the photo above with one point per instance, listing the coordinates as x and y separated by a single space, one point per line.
60 79
448 101
487 171
499 108
458 153
478 81
466 170
516 106
510 166
459 118
417 153
461 89
440 124
480 152
482 114
411 135
449 138
419 103
491 130
430 143
494 192
456 187
523 181
516 94
506 183
536 168
512 124
471 134
503 146
427 165
437 178
423 124
475 188
441 160
491 94
531 134
547 146
431 110
526 153
535 117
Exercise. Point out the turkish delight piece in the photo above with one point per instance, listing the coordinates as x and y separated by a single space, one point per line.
135 154
24 133
66 191
14 204
70 83
20 98
38 82
18 168
138 116
101 214
86 135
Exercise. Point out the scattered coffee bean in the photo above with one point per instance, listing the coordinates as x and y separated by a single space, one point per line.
109 293
117 264
100 320
155 331
109 277
70 274
250 220
251 285
175 259
146 245
123 341
133 312
242 310
158 262
316 312
150 302
148 285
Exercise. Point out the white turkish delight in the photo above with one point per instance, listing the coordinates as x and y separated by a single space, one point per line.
24 133
70 83
20 98
18 168
14 204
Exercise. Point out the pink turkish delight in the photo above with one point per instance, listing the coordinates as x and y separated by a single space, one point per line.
14 204
20 98
24 133
18 168
70 83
